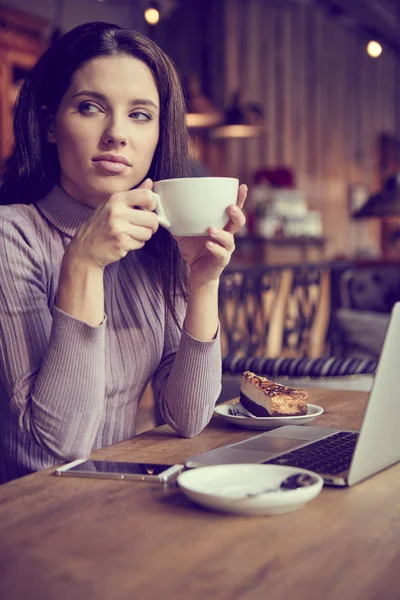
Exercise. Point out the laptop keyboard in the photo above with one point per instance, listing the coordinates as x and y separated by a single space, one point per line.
332 455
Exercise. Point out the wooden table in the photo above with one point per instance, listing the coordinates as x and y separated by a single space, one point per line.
73 539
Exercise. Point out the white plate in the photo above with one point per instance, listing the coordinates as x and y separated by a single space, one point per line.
229 488
246 419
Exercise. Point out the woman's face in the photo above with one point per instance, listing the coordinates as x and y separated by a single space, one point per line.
106 128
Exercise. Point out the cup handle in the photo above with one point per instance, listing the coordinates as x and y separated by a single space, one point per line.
162 217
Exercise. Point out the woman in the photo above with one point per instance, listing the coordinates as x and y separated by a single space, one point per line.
95 300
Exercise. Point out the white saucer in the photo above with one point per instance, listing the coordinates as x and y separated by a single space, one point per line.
228 488
246 419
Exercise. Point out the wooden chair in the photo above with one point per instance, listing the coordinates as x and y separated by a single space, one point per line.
275 311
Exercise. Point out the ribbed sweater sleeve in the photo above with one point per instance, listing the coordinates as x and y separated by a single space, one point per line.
51 364
188 381
67 388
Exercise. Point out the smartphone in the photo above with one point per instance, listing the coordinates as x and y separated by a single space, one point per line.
120 470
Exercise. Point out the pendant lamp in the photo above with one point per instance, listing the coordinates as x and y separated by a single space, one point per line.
241 120
386 203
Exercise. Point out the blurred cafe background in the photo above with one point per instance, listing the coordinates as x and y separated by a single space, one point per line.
299 99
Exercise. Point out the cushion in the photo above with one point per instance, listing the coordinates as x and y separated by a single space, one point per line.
362 332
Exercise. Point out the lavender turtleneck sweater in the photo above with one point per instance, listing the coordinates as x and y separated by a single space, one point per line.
67 388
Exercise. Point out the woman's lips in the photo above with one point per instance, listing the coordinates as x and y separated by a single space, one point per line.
110 166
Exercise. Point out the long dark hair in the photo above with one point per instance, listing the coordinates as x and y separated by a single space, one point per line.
33 167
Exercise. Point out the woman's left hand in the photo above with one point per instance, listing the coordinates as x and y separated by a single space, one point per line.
208 256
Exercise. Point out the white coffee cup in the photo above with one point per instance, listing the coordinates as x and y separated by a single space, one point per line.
188 206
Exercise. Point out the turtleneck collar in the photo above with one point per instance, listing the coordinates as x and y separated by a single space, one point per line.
65 213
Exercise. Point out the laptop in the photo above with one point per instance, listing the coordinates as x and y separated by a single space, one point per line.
341 457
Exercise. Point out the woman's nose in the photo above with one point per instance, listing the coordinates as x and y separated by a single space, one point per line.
114 135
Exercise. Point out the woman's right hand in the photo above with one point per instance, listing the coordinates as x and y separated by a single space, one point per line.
116 227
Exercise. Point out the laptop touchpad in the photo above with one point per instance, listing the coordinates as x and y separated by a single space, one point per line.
270 444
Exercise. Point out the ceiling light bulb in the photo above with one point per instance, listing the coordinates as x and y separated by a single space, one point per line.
374 49
152 16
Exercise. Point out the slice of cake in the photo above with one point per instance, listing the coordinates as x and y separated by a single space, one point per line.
265 398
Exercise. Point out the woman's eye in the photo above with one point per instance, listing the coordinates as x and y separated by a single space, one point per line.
140 116
88 107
